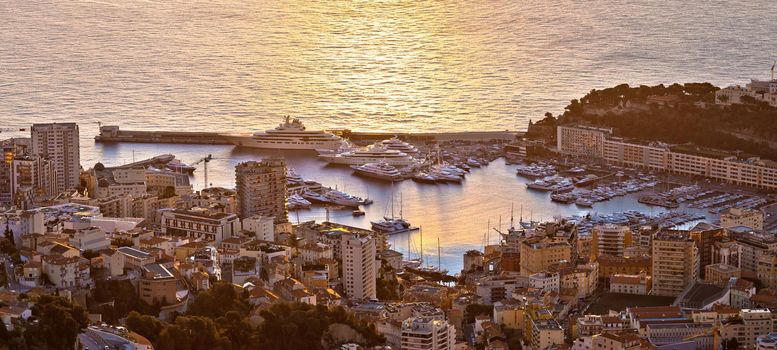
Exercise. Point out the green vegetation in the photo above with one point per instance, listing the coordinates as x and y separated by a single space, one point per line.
219 319
54 324
474 310
114 299
679 114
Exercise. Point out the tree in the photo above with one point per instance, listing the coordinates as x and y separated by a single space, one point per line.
474 310
218 301
192 333
145 325
55 324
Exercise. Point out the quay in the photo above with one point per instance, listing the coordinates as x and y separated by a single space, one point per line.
112 133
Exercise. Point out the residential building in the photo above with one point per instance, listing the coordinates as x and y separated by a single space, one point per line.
760 90
200 224
359 272
682 159
545 333
610 239
157 285
631 284
766 270
112 261
752 218
261 189
312 253
102 181
705 236
35 174
59 142
427 332
617 340
64 272
752 246
675 262
539 254
91 238
721 272
135 258
545 281
262 227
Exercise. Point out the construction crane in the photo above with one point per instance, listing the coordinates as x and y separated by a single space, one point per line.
205 161
12 129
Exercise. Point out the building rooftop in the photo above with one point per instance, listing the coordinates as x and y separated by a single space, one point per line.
157 272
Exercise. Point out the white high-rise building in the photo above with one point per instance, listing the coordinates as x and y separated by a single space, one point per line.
59 143
359 272
427 333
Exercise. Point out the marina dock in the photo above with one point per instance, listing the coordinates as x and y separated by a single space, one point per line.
113 133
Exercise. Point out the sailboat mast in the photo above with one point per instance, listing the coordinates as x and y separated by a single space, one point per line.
421 231
439 264
512 217
400 205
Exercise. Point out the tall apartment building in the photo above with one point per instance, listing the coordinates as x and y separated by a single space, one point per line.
427 332
359 273
705 236
675 262
545 333
539 255
752 218
610 240
10 148
598 143
261 189
59 142
751 247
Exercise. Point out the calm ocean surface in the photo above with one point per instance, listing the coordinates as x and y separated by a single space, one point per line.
366 65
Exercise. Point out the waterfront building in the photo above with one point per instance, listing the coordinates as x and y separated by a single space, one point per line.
427 332
631 284
759 90
199 224
359 272
675 262
539 254
261 189
59 142
610 239
752 218
684 160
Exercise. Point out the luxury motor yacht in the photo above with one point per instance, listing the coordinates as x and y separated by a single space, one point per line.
380 171
373 154
399 145
292 134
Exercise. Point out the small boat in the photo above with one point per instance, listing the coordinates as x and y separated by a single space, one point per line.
358 212
179 167
584 202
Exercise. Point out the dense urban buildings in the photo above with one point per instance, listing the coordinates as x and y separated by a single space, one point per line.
675 262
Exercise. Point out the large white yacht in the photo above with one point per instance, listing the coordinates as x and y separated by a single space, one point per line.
399 145
372 154
291 134
380 171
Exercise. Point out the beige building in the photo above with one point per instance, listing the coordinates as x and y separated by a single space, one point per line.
312 253
631 284
765 91
102 181
35 174
261 189
262 227
746 328
427 332
59 142
359 272
675 262
544 333
767 270
157 285
620 340
610 240
200 224
721 272
752 218
66 272
539 254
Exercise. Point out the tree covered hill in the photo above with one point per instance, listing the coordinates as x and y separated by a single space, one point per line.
679 113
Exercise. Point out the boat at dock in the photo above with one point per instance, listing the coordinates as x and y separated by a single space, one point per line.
398 145
342 198
296 201
292 135
180 167
372 154
380 171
